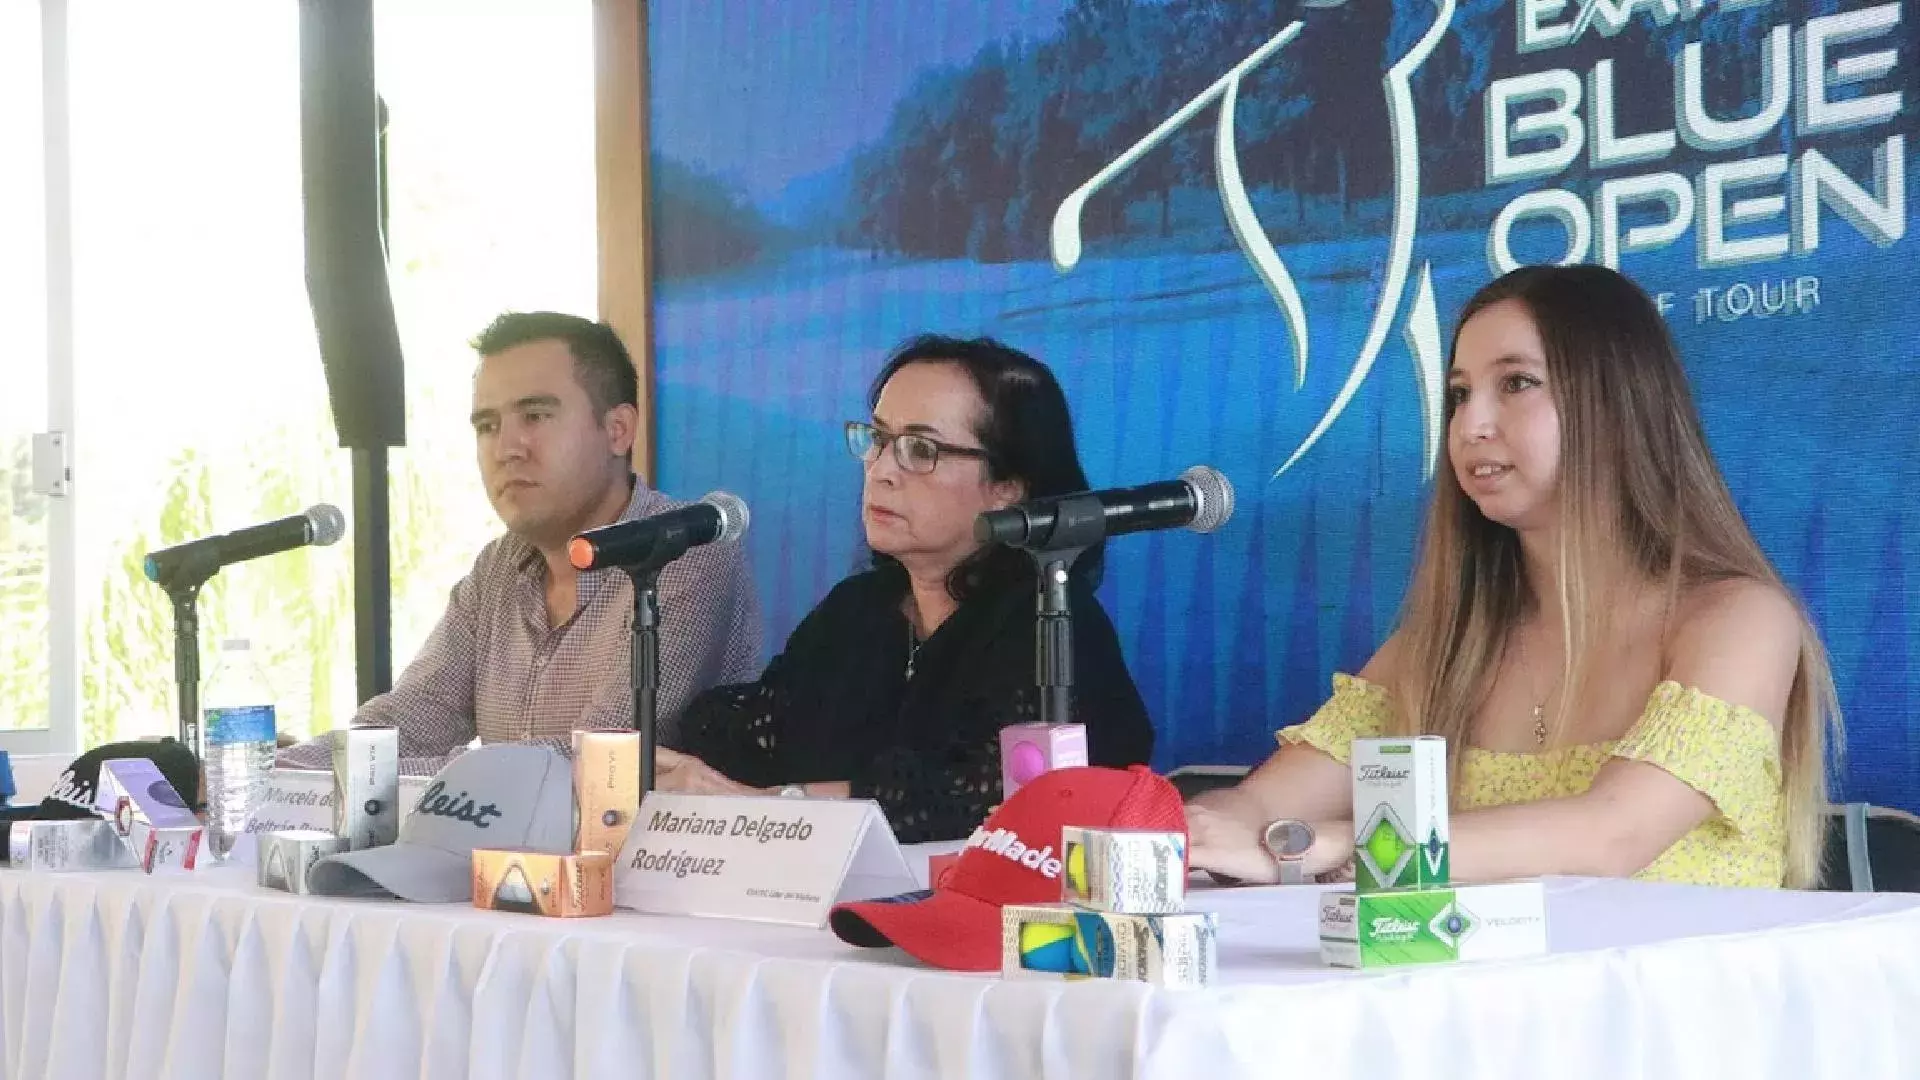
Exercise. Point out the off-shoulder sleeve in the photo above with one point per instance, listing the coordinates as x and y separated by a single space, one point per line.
1728 753
1358 709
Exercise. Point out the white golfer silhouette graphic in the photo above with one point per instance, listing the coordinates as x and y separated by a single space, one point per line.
1422 328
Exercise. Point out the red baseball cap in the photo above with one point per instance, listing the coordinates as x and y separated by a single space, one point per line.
1014 858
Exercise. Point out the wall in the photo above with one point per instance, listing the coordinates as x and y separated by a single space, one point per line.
1276 300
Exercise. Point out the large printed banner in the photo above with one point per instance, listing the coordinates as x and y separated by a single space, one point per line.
1240 231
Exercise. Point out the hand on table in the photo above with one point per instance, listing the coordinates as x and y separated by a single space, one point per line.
1229 846
1225 844
684 773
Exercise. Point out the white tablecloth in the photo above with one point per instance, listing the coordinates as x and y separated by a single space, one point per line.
111 975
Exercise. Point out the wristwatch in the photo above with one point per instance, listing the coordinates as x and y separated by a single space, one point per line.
793 791
1288 841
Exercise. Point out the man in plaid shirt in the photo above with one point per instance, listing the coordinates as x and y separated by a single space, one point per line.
531 649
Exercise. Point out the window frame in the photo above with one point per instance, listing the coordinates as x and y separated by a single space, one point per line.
60 734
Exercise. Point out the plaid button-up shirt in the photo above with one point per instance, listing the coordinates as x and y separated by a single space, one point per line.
496 668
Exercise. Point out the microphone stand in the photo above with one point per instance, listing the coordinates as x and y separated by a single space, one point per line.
1079 523
646 663
186 665
183 589
645 574
1053 633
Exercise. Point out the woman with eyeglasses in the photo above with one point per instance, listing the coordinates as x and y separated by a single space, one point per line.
896 686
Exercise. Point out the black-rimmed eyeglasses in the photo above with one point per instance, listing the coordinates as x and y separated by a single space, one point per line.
913 453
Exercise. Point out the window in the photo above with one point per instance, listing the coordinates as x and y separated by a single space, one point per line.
36 573
201 401
202 405
490 173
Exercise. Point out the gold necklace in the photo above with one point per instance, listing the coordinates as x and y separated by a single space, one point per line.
1540 707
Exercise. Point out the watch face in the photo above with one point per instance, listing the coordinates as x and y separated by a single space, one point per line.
1288 839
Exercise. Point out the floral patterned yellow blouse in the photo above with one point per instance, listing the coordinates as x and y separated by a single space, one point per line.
1728 753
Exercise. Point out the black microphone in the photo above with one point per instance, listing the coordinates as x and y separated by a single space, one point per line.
1201 500
718 518
196 560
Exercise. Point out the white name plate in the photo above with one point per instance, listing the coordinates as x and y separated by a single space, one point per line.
302 799
763 858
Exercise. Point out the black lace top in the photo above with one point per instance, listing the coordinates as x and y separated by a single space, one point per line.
838 703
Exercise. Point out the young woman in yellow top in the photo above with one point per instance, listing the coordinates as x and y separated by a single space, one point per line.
1624 685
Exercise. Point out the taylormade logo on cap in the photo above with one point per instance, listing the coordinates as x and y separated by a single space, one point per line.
1006 844
957 923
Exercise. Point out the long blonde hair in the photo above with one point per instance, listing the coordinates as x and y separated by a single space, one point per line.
1637 485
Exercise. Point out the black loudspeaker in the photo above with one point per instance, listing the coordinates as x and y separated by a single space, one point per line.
346 253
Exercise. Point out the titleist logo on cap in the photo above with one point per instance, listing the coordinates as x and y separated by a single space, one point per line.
1008 845
461 807
70 791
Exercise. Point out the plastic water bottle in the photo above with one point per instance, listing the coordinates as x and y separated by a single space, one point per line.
238 722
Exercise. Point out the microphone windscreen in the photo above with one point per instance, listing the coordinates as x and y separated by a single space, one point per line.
1214 494
733 515
327 522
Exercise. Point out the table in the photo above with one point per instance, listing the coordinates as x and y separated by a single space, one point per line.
116 974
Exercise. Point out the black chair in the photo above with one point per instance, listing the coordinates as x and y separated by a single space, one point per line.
1871 849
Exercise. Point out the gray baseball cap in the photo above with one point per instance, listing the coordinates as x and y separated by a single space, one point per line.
507 795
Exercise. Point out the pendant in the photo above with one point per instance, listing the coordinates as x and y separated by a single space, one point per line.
1540 725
